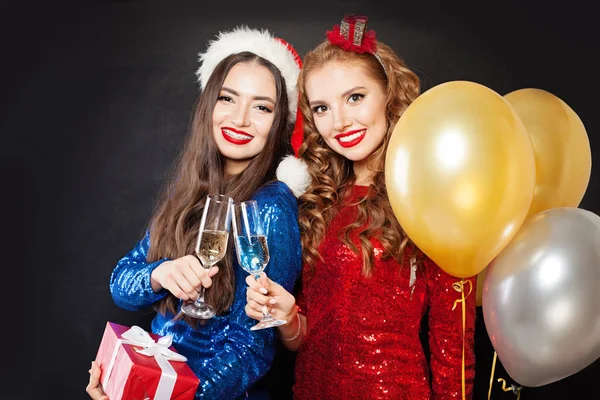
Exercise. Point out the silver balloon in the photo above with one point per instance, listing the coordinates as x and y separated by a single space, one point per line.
541 297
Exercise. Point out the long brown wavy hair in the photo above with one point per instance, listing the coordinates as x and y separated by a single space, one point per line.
332 174
200 170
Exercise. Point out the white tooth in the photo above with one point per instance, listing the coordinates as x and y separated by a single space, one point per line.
235 135
352 137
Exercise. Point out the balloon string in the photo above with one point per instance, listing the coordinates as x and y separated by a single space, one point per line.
492 375
512 388
460 287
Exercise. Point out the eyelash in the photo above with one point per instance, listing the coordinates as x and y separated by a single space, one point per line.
229 100
356 96
315 110
263 108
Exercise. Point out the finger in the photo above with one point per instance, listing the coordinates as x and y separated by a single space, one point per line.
191 268
255 306
206 281
185 287
95 373
94 389
272 287
193 260
189 280
253 313
96 394
193 263
252 283
179 292
189 290
255 285
265 281
213 271
103 395
257 297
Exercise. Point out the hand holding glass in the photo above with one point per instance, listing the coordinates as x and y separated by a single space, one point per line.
211 246
252 250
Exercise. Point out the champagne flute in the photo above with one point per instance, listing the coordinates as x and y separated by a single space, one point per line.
252 250
211 246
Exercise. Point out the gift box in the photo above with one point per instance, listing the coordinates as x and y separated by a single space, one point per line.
138 365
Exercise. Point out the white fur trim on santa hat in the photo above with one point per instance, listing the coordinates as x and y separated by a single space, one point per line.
294 173
263 44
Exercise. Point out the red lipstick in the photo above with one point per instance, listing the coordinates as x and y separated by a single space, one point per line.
354 141
236 140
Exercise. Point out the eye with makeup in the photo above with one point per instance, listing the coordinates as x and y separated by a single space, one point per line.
355 98
224 98
263 108
320 109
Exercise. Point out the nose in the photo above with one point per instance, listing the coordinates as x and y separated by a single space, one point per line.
240 116
341 119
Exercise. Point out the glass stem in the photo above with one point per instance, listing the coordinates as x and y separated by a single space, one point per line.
265 312
200 299
264 309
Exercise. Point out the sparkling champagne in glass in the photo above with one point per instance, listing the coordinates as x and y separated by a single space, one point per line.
252 250
211 246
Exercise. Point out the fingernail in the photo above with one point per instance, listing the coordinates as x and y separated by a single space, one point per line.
263 290
273 301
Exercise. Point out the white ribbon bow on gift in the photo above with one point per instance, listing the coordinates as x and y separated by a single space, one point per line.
136 336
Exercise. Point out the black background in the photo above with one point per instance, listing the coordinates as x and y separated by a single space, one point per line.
95 102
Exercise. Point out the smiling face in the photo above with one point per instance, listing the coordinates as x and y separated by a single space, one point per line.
348 108
244 114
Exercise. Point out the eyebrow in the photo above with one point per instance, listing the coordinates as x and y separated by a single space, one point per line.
233 92
346 93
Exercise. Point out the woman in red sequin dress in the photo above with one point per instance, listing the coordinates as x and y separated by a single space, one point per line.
365 287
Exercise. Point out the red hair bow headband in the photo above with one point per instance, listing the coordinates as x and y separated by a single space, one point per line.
352 35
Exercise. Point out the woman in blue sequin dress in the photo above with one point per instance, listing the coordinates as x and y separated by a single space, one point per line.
239 133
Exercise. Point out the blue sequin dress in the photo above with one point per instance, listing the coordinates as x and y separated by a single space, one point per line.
225 354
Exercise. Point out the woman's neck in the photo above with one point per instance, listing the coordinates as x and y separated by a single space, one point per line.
234 167
364 175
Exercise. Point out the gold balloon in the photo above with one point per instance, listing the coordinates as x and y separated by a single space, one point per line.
460 174
561 147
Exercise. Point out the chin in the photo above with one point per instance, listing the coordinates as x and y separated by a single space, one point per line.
355 156
236 153
238 156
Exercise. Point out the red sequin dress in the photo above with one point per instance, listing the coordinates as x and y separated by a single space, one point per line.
363 333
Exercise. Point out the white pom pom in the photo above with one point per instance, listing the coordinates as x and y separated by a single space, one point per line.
294 172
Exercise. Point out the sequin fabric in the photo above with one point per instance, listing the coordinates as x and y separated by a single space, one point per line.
225 354
363 333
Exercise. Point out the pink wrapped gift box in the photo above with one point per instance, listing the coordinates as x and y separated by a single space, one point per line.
138 365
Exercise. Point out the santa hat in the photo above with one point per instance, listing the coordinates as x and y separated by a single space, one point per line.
278 52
